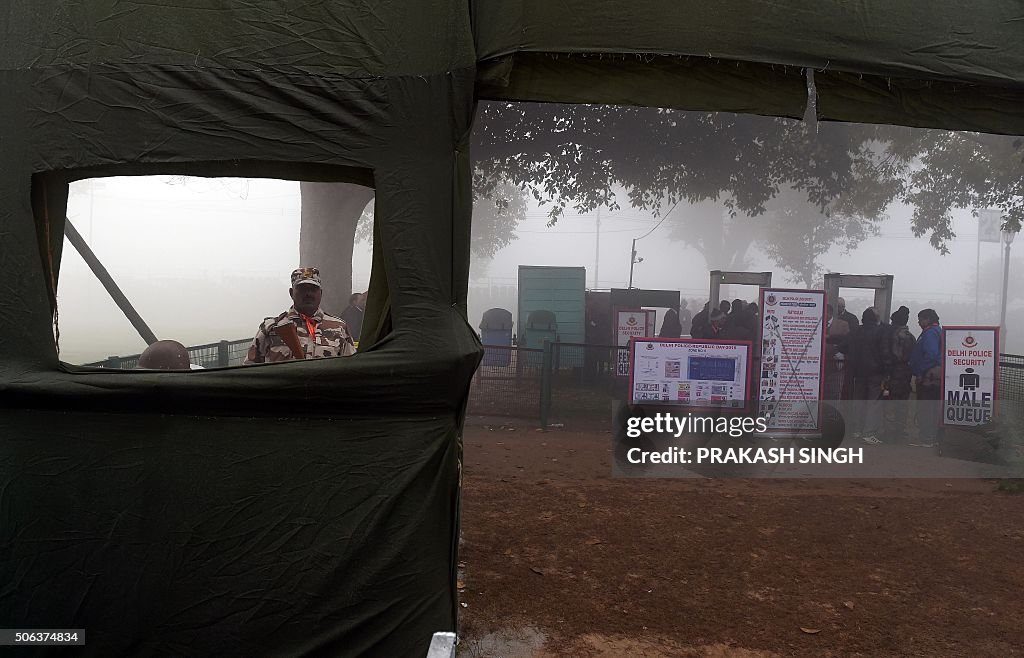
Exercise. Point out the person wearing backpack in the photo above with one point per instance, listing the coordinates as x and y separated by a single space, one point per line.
870 357
901 345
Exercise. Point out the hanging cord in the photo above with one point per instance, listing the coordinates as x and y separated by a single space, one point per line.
663 218
811 111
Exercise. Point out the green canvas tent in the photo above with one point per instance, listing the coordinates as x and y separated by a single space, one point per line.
312 507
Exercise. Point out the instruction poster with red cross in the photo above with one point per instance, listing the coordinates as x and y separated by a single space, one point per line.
792 357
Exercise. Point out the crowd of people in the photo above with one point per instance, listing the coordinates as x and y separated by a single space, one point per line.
736 320
876 362
867 361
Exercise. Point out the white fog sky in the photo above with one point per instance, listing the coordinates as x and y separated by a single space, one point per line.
200 259
921 272
207 259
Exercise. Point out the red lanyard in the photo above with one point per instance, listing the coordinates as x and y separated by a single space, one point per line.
310 327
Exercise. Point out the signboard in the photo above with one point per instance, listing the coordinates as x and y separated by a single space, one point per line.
990 224
792 357
970 375
686 372
631 323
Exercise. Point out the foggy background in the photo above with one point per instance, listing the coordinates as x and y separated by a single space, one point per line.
204 260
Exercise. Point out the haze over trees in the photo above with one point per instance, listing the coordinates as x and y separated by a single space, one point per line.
733 181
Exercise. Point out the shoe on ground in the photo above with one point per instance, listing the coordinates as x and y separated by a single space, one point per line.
871 440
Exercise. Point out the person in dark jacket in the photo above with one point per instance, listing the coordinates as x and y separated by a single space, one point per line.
699 325
926 366
845 315
715 327
670 326
901 345
739 325
869 362
685 319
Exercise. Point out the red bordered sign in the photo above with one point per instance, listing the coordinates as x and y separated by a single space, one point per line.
690 372
970 375
791 381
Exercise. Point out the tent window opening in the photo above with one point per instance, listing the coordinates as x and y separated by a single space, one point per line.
181 272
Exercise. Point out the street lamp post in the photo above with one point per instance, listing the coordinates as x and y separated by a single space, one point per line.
1008 237
633 260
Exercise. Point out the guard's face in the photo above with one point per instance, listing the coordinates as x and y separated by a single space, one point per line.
306 298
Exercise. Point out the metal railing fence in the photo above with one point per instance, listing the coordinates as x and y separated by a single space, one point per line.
562 380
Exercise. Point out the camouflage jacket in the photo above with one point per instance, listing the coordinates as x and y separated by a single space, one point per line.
331 338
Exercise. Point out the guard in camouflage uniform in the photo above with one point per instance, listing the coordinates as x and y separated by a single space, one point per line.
303 327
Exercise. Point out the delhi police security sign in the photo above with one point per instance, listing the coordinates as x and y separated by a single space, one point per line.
970 377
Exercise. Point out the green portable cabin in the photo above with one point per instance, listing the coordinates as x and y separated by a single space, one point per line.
311 508
560 290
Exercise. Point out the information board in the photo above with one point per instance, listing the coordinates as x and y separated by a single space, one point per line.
686 372
633 323
970 375
792 357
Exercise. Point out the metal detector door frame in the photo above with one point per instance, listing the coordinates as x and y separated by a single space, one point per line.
719 278
880 283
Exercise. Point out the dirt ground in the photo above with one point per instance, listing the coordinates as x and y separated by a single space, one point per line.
560 559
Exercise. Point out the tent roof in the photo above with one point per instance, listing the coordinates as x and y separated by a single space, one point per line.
948 65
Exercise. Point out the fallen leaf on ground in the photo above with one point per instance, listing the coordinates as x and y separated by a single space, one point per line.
848 605
593 542
537 570
460 584
810 631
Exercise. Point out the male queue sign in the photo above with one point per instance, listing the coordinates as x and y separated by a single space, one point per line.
970 375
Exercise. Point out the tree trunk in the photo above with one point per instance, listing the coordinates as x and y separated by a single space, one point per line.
330 212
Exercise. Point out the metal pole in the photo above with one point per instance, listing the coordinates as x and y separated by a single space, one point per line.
597 248
632 261
545 383
977 276
1006 281
1002 250
75 238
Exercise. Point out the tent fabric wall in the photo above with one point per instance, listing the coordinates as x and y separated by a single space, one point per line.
945 65
301 508
222 536
312 507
